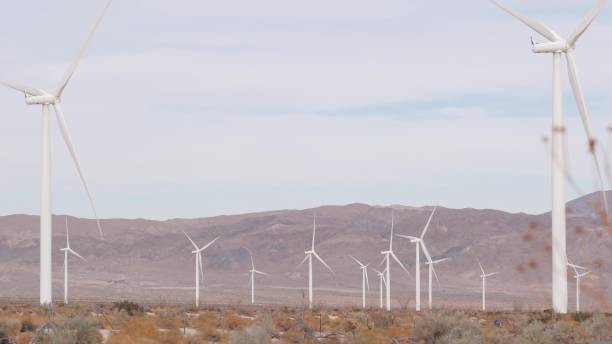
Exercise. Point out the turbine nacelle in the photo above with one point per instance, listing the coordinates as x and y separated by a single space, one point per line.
44 99
560 46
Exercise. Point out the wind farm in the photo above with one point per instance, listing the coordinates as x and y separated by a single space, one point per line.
252 167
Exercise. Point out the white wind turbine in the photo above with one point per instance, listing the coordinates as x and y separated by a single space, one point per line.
431 269
365 282
37 96
381 280
253 271
387 260
199 269
67 250
484 276
419 242
309 254
557 46
578 275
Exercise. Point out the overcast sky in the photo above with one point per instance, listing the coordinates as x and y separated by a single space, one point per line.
196 108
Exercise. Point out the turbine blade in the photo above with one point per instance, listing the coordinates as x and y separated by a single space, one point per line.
25 89
252 263
357 261
491 274
261 273
391 239
76 254
586 22
425 250
208 245
191 241
400 264
322 262
407 237
579 96
67 237
481 269
535 25
428 222
314 230
366 277
201 265
68 140
440 260
303 261
433 269
75 63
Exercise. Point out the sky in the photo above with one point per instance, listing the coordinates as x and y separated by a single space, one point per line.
201 108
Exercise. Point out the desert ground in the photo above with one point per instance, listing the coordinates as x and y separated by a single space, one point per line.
129 322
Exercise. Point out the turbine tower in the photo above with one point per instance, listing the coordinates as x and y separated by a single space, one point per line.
309 254
557 46
253 271
387 260
37 96
431 269
199 269
419 242
67 250
364 281
484 276
381 280
578 275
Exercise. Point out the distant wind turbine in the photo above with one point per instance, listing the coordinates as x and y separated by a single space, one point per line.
381 280
431 269
578 275
557 46
484 276
309 254
253 271
199 269
387 260
419 242
364 281
67 250
37 96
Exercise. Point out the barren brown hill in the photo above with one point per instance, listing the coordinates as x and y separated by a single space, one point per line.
151 260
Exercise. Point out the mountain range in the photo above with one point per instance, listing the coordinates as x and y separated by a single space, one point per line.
151 261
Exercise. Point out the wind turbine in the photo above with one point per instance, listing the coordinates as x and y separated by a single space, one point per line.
253 271
387 260
381 292
67 250
419 242
309 254
364 281
557 46
484 283
37 96
578 275
431 269
199 269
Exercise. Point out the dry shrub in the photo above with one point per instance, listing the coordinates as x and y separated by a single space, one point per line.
80 329
9 328
447 327
535 333
136 330
233 321
209 333
283 323
294 335
599 327
251 335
